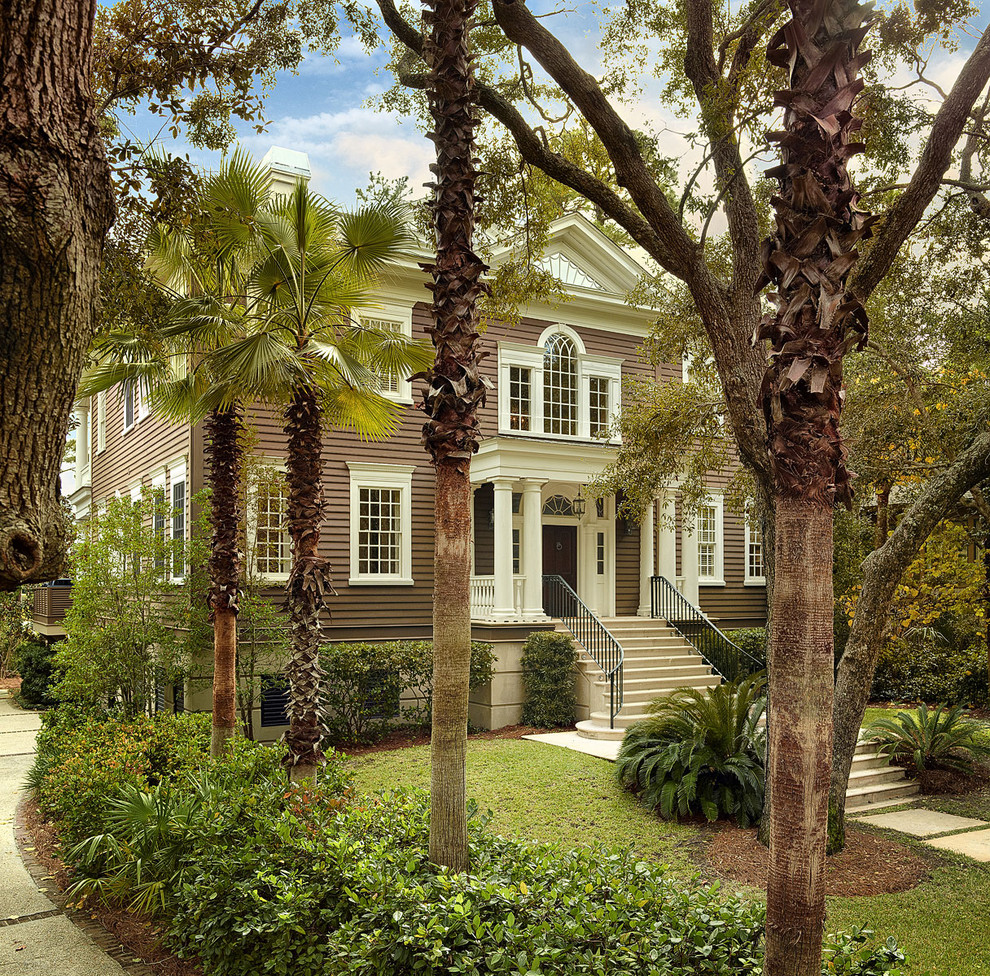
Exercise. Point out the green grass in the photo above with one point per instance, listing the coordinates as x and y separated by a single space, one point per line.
542 792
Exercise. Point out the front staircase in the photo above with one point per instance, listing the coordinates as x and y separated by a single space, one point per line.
657 660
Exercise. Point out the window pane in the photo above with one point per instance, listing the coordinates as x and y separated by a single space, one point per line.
178 525
559 386
379 532
754 552
706 533
386 382
129 405
598 407
271 538
520 393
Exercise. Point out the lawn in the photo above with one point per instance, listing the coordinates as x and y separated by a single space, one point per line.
545 793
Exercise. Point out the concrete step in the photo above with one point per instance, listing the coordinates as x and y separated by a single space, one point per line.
592 730
875 775
867 796
639 677
654 690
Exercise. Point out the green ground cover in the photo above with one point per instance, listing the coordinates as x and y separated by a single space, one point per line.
541 792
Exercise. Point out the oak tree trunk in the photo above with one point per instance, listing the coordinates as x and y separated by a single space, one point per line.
56 206
307 585
224 458
882 571
456 390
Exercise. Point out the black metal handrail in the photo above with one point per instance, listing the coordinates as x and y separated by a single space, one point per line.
562 603
726 658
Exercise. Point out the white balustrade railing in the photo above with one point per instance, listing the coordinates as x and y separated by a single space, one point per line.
483 596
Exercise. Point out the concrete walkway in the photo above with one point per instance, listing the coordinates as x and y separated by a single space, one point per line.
947 832
36 937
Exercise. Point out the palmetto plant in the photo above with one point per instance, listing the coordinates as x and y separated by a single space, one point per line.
700 752
938 739
140 858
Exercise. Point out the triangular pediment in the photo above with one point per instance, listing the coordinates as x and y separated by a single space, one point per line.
585 260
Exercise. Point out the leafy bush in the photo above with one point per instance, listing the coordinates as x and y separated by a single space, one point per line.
753 640
548 661
700 752
35 664
933 664
85 757
369 686
939 739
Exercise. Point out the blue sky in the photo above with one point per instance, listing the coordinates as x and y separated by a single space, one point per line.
323 111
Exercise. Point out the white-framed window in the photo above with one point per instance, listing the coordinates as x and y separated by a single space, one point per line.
381 523
269 540
390 318
132 398
159 517
556 388
708 537
178 498
755 569
101 421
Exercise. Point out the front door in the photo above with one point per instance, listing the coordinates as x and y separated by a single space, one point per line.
560 552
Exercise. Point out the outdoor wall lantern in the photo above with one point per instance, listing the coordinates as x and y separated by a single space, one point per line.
578 504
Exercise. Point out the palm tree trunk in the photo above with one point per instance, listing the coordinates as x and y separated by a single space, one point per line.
224 457
456 391
815 322
308 582
800 732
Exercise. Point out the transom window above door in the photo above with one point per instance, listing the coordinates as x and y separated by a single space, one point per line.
557 389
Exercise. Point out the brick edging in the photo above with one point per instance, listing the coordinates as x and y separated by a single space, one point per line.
91 928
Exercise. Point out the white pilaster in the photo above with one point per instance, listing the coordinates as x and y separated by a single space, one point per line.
667 552
689 561
504 608
532 549
646 544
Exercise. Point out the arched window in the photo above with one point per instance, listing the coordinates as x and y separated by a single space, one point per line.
560 386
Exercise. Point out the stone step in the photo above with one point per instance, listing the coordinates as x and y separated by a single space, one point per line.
643 675
647 664
650 640
866 796
593 730
874 775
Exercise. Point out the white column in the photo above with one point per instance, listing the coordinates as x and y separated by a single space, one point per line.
667 554
532 549
645 560
503 609
689 561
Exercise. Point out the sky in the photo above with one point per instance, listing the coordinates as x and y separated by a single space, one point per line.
324 110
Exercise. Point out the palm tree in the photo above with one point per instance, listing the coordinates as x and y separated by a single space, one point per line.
814 324
455 392
303 348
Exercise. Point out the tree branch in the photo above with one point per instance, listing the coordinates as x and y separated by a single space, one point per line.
903 217
677 252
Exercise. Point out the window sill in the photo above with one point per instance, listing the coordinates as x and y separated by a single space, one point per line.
710 581
755 581
381 581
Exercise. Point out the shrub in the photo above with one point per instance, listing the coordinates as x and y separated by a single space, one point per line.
35 664
85 757
700 752
933 665
371 685
937 739
548 661
753 640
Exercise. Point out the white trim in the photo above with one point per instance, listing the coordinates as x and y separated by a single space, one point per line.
375 475
177 474
748 539
400 315
135 492
131 391
716 502
101 422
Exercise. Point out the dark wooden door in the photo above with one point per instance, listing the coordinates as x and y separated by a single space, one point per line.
560 552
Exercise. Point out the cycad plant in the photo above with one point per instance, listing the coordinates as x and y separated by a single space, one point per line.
942 738
700 752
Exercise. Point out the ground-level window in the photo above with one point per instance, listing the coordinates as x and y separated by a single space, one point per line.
755 572
708 536
381 523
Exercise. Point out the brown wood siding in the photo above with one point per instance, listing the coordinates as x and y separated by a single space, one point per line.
626 570
135 455
484 532
734 604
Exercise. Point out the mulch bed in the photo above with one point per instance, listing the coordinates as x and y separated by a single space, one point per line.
137 933
869 864
403 738
11 684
